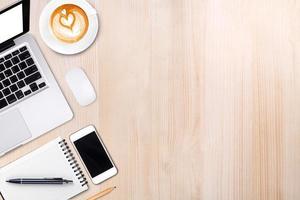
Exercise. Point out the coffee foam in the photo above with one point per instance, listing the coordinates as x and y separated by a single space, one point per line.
69 23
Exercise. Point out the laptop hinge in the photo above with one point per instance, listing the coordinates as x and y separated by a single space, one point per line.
6 45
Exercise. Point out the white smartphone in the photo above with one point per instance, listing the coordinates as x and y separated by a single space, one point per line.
93 154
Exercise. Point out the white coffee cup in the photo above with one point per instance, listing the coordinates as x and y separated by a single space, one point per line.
63 47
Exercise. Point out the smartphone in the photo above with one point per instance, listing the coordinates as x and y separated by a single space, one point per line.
93 154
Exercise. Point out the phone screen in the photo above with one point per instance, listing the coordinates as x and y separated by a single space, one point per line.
93 154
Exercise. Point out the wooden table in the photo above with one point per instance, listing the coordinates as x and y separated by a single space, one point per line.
197 99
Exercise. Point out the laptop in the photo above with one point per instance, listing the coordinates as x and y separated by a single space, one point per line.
31 102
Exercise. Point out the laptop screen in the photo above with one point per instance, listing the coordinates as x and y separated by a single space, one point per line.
11 23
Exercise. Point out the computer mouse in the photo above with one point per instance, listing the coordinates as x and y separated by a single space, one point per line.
80 86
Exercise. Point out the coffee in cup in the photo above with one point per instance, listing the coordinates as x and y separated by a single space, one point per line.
69 23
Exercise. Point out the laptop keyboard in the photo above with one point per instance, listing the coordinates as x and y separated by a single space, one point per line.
19 77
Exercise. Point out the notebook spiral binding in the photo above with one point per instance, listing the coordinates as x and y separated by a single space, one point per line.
73 163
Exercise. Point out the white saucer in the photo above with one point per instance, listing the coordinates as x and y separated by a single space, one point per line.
63 47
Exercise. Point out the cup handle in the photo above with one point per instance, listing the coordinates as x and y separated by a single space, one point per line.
93 12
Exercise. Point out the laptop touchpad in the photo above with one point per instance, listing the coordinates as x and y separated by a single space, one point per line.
13 130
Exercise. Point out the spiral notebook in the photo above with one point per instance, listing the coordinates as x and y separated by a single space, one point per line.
54 159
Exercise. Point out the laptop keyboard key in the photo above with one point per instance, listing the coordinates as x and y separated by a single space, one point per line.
1 87
3 103
2 77
21 84
11 99
21 75
15 60
13 79
16 52
32 78
13 88
8 73
41 85
28 92
2 68
29 62
24 55
23 48
30 70
22 65
33 87
8 56
6 92
8 64
19 94
6 83
1 60
15 69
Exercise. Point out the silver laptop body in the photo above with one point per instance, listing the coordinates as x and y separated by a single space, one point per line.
33 109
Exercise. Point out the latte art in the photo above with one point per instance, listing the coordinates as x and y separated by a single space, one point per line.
69 23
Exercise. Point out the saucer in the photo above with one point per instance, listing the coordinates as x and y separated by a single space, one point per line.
63 47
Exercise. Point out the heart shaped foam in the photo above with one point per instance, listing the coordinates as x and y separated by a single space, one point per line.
67 19
69 23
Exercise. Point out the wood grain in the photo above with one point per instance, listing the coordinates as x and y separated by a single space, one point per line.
196 100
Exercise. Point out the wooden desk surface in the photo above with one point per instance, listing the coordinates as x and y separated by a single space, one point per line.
196 99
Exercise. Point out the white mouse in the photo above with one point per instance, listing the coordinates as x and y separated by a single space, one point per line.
80 86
